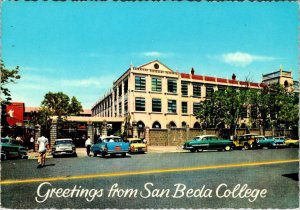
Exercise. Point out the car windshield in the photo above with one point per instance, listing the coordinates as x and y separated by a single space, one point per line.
112 140
136 141
63 142
4 140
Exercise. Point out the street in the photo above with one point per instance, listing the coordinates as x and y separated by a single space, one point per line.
235 179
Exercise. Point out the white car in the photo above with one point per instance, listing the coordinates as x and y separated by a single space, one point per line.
64 147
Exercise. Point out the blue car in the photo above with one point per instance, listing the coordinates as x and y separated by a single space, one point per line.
110 145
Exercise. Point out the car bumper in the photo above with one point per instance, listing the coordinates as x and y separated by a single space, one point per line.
138 150
57 153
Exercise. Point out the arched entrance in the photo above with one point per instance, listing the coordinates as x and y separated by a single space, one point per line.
172 124
141 129
197 125
156 125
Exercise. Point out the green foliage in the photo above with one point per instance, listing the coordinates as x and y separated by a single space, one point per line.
7 77
274 104
58 104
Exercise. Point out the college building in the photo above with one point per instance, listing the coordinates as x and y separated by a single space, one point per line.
155 96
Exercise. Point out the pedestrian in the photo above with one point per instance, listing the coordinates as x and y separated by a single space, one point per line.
43 146
88 145
32 143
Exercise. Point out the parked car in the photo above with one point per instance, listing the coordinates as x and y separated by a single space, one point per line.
111 145
137 145
262 141
279 142
11 148
64 147
204 142
246 141
291 142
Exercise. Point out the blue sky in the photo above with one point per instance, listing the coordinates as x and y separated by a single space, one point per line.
80 48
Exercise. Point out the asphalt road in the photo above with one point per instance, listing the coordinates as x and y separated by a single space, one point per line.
236 179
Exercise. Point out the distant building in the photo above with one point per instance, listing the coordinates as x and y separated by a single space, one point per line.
283 78
156 96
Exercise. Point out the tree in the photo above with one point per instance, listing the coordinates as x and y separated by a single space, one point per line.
57 104
225 107
7 77
75 107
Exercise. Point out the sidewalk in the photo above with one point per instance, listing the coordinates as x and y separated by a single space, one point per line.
81 152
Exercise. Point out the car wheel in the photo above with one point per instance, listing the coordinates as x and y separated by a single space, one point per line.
227 148
103 155
54 156
75 155
270 146
193 150
5 156
291 145
123 154
246 146
95 154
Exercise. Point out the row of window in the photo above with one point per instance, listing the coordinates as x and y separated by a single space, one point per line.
156 85
140 105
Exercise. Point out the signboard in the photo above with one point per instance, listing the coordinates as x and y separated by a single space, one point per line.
15 114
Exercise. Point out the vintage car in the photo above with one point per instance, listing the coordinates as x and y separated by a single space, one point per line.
63 147
262 141
291 142
111 145
137 145
246 141
205 142
279 142
11 148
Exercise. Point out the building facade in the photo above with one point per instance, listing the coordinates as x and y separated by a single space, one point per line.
156 96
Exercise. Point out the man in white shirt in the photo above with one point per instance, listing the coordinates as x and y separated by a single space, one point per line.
43 146
88 144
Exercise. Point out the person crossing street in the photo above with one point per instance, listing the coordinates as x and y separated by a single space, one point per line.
88 144
43 147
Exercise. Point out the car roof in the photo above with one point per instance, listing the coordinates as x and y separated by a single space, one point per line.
107 137
132 139
64 139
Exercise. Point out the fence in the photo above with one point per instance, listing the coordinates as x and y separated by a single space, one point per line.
177 136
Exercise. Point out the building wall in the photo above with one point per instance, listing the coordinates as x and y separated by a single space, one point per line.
111 101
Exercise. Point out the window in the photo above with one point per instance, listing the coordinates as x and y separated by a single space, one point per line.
172 106
184 107
244 112
172 86
139 104
196 89
184 88
156 105
254 112
126 106
125 86
115 94
156 84
140 83
120 90
196 107
209 90
221 88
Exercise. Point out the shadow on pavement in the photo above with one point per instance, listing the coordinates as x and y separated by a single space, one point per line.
293 176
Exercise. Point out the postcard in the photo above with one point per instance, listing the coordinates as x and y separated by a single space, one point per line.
149 105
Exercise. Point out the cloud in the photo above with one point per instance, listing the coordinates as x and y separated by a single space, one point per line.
154 54
103 81
241 59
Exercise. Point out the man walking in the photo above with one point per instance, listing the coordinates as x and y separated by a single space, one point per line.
43 146
88 145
